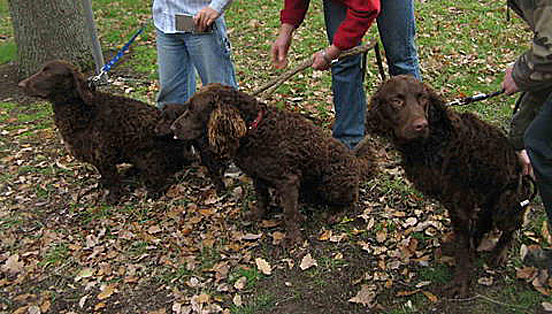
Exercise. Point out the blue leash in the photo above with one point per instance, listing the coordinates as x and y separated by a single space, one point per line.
96 80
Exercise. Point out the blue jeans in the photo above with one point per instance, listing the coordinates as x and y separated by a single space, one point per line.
180 55
538 142
397 31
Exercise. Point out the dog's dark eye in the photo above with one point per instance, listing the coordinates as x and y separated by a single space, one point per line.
396 103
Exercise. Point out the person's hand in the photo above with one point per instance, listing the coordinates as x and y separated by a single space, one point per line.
205 17
525 162
322 60
280 47
509 85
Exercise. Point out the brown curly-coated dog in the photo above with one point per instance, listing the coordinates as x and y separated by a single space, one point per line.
105 130
462 161
277 148
216 166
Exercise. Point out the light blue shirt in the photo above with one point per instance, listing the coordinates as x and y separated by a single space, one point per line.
164 11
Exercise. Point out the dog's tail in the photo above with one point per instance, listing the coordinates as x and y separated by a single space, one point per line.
366 155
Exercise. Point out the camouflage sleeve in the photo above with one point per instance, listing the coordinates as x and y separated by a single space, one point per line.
529 105
533 69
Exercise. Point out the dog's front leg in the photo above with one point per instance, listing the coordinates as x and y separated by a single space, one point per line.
259 210
110 180
289 194
459 287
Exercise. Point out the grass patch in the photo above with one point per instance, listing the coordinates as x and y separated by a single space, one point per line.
252 275
257 305
8 52
56 254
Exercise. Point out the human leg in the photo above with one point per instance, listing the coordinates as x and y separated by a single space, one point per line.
538 142
397 29
176 74
211 55
347 85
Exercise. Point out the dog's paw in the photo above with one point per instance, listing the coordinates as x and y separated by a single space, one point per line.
293 237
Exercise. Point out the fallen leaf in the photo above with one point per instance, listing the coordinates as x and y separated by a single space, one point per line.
13 265
240 283
526 272
263 266
307 262
99 306
278 237
523 250
430 296
486 281
412 221
252 237
45 306
325 236
21 310
381 236
33 309
407 293
365 296
270 223
547 306
82 301
107 291
154 229
85 273
177 308
237 300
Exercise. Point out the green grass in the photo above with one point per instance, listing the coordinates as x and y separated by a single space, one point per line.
8 49
8 52
57 254
252 274
257 305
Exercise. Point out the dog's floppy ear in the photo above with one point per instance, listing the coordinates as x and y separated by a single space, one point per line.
82 87
436 108
224 129
375 120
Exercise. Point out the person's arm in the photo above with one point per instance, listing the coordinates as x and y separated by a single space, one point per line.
207 16
291 16
360 16
533 69
294 12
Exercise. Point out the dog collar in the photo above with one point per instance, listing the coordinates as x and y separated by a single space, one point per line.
257 120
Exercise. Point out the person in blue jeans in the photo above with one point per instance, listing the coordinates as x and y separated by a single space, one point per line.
181 50
346 23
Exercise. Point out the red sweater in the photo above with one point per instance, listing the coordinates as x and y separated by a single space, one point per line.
360 15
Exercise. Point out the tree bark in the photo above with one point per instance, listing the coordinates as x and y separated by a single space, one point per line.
49 29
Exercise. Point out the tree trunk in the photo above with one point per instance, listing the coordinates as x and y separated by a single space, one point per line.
49 29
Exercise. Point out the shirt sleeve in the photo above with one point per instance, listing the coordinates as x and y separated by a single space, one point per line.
220 5
294 12
533 69
360 16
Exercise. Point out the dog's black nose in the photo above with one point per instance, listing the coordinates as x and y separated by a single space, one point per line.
419 125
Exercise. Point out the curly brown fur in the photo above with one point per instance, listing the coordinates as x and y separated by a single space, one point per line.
456 158
105 130
278 149
215 165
